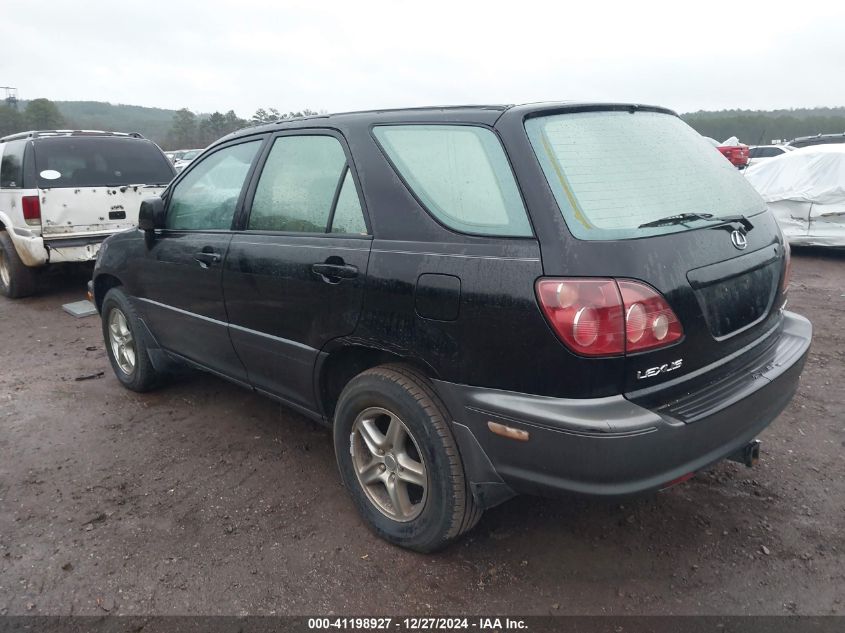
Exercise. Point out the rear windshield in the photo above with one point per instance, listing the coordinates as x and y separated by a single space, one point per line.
613 171
99 161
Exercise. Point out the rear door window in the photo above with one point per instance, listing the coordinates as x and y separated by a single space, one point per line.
348 216
206 198
99 161
460 174
613 171
306 187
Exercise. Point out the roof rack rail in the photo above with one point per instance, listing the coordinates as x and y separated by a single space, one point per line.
49 133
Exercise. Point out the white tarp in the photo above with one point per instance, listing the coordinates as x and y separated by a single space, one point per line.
812 174
805 190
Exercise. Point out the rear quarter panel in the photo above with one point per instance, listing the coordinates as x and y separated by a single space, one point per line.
499 339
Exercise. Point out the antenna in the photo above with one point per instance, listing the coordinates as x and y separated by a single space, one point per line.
11 96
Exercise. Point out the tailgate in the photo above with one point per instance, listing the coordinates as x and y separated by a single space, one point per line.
78 212
645 198
727 299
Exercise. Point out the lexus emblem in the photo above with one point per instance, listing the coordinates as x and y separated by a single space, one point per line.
739 240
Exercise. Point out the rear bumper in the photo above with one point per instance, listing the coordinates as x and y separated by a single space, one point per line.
35 251
612 446
29 246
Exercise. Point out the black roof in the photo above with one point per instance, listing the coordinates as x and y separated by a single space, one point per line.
481 114
475 112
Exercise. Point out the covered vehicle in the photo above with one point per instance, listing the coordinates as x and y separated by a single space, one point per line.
762 153
805 189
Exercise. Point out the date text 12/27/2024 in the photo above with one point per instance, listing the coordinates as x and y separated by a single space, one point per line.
417 624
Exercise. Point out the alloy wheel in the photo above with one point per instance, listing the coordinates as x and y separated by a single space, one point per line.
5 276
389 464
121 341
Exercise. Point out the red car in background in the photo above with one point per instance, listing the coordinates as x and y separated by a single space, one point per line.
737 154
733 150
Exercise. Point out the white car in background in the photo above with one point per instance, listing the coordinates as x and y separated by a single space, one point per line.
186 158
760 153
62 192
805 189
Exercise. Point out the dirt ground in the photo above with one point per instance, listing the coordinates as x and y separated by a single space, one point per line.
203 498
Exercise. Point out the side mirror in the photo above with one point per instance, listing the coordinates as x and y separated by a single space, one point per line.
151 214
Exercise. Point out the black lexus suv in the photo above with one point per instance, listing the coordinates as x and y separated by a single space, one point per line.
481 301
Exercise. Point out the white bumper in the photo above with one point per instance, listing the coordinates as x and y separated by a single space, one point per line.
34 251
30 247
81 253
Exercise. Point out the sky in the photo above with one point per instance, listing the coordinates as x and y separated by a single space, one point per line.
339 56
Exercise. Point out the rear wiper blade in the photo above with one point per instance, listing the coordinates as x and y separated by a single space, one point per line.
741 219
684 218
680 218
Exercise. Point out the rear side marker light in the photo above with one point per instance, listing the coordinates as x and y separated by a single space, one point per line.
31 209
508 431
607 317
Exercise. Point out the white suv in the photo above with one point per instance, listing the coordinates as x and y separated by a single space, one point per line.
63 192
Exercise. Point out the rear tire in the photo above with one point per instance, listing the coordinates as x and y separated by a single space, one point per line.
399 460
17 280
126 343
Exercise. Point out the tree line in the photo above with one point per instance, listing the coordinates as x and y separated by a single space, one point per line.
760 127
193 131
184 129
39 114
188 130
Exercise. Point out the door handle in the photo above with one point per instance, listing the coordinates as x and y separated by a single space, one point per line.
206 258
333 273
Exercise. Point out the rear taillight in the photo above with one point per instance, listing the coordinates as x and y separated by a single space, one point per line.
607 317
585 313
31 209
787 267
649 321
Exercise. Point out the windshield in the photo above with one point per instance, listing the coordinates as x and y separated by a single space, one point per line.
613 171
191 155
98 161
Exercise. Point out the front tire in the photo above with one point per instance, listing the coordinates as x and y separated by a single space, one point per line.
17 280
399 460
126 344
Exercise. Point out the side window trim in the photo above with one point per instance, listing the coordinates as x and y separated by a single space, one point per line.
242 217
168 194
338 188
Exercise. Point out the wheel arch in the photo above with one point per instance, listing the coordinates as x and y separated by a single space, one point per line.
336 367
102 284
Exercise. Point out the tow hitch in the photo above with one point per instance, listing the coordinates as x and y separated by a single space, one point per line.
748 454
